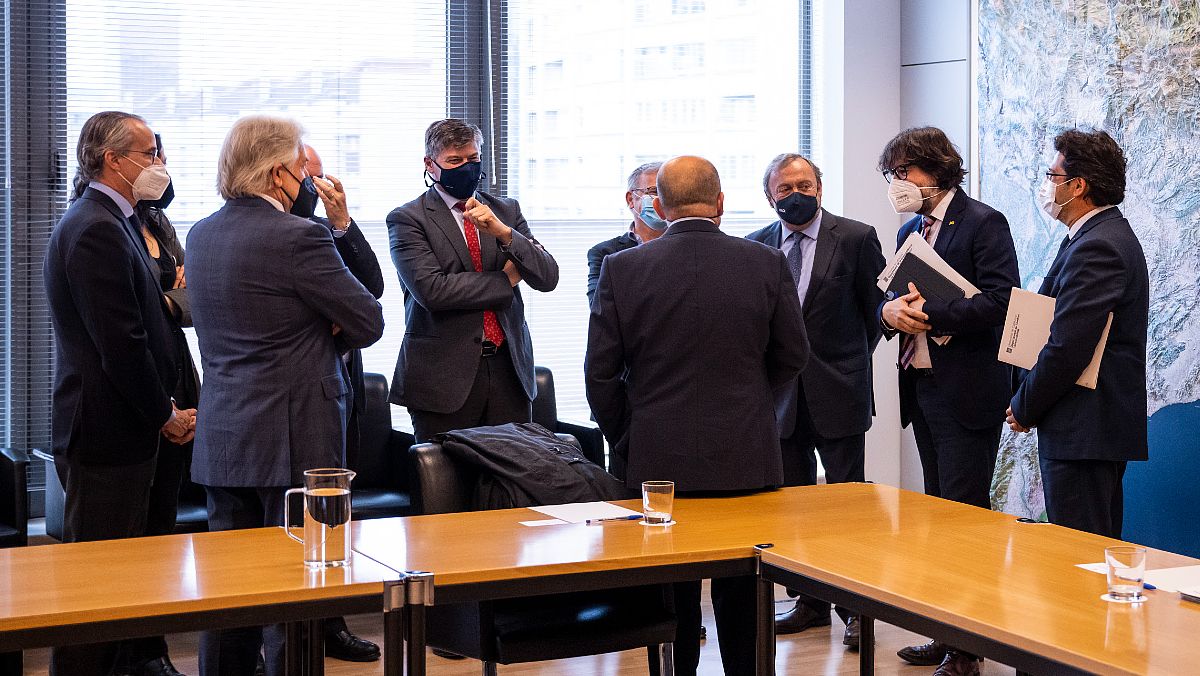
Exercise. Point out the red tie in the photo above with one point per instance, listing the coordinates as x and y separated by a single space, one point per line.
491 326
908 342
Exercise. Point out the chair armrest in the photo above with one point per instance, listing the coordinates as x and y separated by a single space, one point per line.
398 459
591 440
14 505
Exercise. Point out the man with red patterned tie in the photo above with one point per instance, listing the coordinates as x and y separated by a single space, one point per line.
466 359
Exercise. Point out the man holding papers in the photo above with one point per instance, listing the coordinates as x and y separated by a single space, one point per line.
1085 436
952 391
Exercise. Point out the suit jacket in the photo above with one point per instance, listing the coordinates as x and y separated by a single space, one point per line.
597 254
115 365
839 315
1101 270
689 336
975 240
444 299
265 287
358 256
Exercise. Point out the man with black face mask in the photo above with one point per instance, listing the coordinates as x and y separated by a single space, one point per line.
834 262
466 359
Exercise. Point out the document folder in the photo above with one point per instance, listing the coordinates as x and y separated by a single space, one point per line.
1027 329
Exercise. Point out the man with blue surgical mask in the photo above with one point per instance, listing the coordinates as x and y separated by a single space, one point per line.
647 225
834 263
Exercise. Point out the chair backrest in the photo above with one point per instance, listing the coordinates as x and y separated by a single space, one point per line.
545 406
372 461
14 498
439 486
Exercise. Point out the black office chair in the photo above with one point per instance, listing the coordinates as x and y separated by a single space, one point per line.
545 413
14 522
536 628
380 488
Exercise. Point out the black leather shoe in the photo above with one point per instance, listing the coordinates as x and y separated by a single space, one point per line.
852 637
958 664
160 666
927 655
346 646
798 619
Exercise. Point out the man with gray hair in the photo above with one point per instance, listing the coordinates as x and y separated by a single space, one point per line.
116 367
689 336
274 307
828 409
466 359
646 225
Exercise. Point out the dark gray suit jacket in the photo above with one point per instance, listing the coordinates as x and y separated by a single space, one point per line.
265 288
444 299
602 250
1102 270
115 366
839 313
689 336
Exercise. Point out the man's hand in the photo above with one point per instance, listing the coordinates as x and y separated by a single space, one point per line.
336 329
485 221
180 278
514 275
904 313
1012 421
181 428
334 199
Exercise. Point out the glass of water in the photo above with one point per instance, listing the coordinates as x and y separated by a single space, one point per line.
658 500
1126 573
326 517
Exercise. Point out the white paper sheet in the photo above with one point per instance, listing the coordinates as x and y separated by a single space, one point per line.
579 512
1027 330
543 522
917 246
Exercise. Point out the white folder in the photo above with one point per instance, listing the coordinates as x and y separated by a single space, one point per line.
1027 329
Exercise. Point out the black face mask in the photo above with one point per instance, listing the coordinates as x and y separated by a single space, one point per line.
304 204
162 202
797 208
460 182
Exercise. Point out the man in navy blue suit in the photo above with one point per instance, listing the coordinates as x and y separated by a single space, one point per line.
1086 436
952 392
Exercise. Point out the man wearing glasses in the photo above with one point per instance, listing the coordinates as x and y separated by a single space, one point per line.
1100 271
646 225
116 364
953 392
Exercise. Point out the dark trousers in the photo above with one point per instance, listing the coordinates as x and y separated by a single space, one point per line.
234 652
957 462
103 502
496 398
733 600
1085 495
843 459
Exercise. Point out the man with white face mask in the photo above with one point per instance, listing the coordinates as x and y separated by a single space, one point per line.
116 364
954 394
1099 269
646 226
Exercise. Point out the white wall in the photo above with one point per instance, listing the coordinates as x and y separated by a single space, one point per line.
857 64
882 66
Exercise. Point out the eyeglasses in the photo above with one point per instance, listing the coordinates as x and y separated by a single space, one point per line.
900 172
152 154
652 190
1051 174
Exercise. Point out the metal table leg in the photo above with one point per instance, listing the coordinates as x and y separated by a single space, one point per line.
393 628
765 622
418 594
866 645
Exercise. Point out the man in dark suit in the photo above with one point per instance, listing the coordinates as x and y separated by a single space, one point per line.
356 253
274 306
1085 436
466 359
835 262
689 336
115 354
646 225
953 391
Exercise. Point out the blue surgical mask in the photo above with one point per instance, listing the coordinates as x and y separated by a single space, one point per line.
649 216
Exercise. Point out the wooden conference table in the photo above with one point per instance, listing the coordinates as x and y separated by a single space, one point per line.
102 591
980 580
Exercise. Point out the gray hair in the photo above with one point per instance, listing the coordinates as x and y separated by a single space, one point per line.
102 132
450 133
782 161
644 169
254 145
